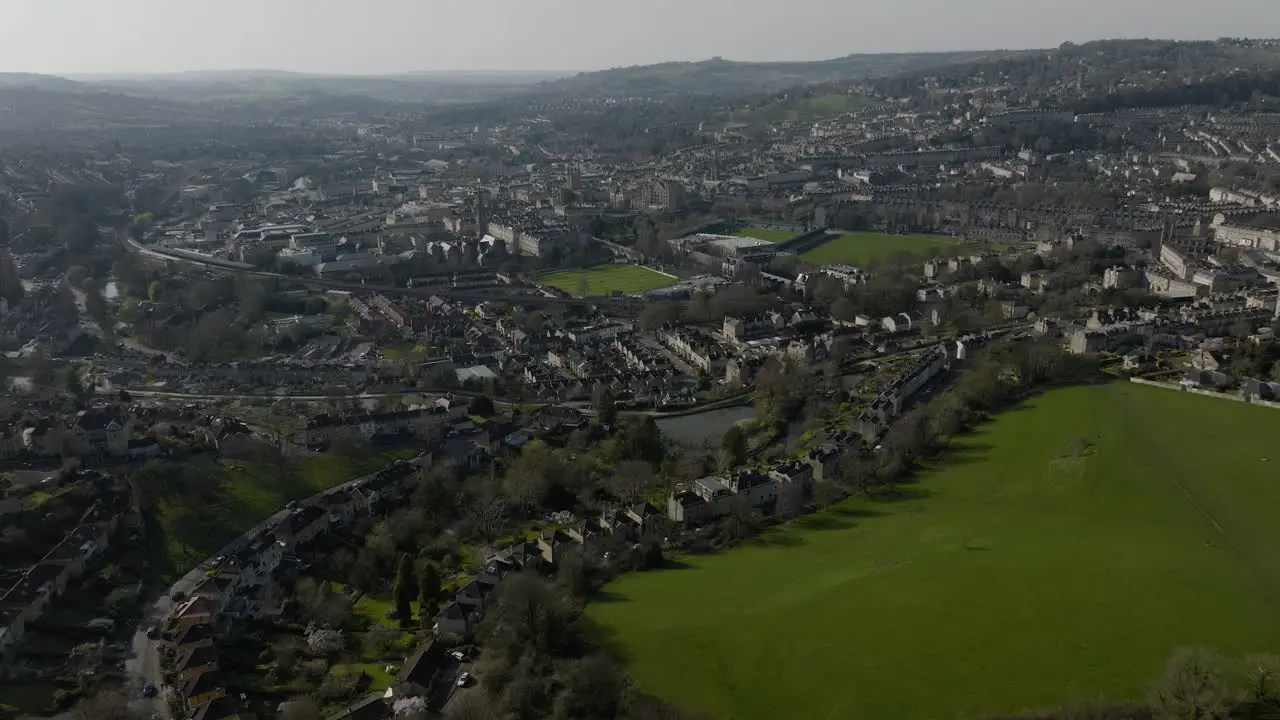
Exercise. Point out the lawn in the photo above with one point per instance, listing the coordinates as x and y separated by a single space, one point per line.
1061 555
867 248
606 279
768 234
406 351
379 678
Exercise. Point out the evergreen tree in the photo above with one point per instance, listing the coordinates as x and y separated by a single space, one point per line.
428 593
406 588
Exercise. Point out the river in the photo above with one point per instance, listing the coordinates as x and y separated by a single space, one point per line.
704 426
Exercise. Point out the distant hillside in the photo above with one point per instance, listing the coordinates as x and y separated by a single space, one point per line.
254 85
1072 72
40 82
43 103
729 78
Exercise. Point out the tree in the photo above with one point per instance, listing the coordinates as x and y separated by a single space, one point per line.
483 406
428 592
410 708
529 616
1263 673
76 276
642 440
489 517
592 688
631 480
323 641
471 706
734 446
95 306
86 660
105 705
119 600
406 588
277 441
605 405
1193 686
350 443
304 708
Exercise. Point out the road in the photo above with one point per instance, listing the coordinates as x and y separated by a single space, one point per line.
144 664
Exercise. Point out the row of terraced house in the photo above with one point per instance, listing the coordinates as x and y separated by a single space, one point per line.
248 584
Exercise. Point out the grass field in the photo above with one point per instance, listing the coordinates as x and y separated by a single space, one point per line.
768 234
1026 574
605 279
867 248
251 493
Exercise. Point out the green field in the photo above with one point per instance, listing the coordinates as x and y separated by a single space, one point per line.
1061 555
769 234
606 279
249 494
867 248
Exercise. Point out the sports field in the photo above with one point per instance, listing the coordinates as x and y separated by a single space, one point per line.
605 279
866 248
769 234
1061 555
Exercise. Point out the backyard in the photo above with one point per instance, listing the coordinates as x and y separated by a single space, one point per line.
1058 555
768 234
606 279
868 248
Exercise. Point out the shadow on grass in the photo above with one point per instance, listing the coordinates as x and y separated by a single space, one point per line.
823 521
603 637
604 595
857 513
775 537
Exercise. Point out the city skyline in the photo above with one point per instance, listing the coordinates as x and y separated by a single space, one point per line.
80 37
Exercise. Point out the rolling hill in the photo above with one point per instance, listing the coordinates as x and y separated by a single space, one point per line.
729 78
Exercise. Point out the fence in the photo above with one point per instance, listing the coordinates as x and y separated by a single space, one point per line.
1208 393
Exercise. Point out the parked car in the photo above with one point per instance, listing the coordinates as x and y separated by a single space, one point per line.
149 691
463 679
153 632
457 655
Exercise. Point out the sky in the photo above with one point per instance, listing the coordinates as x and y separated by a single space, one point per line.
388 36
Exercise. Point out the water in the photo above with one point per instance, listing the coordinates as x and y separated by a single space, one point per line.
704 426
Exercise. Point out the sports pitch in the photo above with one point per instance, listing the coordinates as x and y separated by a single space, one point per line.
1059 555
768 234
867 248
606 279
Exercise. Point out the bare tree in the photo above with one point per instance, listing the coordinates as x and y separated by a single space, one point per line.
304 708
489 517
631 480
105 705
593 688
1193 686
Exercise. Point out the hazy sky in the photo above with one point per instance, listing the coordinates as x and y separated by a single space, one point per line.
375 36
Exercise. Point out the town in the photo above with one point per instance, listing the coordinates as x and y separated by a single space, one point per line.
350 415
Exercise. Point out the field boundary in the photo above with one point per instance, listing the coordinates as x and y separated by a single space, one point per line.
1174 475
1207 393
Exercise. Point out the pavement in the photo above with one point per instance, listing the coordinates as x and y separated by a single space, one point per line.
144 664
